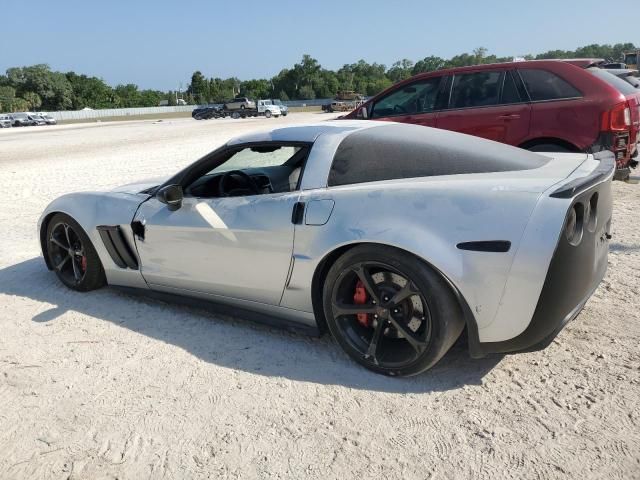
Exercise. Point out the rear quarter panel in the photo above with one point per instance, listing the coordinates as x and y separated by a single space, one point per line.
428 222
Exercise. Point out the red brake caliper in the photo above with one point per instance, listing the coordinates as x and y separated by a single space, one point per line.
360 298
83 263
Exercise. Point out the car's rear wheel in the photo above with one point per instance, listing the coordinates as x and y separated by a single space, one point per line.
390 311
549 147
72 255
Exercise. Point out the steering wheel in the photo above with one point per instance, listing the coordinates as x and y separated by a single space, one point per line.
247 182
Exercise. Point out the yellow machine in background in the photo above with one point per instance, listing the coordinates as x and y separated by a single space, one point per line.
631 59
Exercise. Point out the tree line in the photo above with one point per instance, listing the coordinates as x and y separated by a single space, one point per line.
37 87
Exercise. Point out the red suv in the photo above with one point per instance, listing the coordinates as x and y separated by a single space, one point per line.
542 105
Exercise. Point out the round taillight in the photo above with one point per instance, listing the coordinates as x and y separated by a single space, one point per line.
573 227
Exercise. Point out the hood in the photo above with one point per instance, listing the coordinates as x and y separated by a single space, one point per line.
139 187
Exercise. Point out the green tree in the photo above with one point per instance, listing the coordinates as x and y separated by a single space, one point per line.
256 88
32 99
150 98
90 92
199 87
128 96
307 93
52 87
7 96
428 64
400 70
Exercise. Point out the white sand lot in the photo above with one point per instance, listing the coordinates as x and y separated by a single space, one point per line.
103 385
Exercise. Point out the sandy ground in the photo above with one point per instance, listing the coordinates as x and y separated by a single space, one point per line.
103 385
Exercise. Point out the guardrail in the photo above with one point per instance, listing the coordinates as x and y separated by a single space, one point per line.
116 112
132 112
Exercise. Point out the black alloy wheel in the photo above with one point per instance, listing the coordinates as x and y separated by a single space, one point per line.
72 256
389 311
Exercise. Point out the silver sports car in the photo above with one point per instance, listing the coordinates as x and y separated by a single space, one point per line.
392 237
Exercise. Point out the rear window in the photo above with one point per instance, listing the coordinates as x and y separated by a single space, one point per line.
619 84
479 89
396 151
544 85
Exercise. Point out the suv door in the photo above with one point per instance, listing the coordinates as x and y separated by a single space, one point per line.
487 104
417 102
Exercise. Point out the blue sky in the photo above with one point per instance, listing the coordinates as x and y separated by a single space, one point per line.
158 44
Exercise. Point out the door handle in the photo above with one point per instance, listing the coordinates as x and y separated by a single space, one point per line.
509 116
297 215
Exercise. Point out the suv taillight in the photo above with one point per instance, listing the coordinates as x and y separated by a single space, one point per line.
618 119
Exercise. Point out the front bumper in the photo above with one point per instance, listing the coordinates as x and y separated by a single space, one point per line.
576 268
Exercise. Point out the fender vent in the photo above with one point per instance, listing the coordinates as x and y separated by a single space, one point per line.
497 246
117 246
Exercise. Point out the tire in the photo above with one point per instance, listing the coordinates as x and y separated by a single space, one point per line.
549 147
235 115
412 333
267 114
82 271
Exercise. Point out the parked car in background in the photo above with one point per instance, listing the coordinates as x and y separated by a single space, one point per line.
205 113
37 118
284 110
613 66
543 106
239 103
629 76
344 101
21 119
47 118
5 121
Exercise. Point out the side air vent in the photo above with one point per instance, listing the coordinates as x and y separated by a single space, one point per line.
496 246
117 246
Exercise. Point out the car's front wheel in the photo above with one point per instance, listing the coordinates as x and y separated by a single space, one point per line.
72 255
390 311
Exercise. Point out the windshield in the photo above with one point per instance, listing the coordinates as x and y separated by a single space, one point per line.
631 59
619 84
277 102
19 115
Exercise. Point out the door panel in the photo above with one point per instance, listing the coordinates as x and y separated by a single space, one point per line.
487 104
237 247
502 123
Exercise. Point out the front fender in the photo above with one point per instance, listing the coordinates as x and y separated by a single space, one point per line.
91 209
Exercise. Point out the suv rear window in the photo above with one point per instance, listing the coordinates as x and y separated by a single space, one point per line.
619 84
544 85
478 89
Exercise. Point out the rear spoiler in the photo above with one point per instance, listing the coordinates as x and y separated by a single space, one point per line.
606 168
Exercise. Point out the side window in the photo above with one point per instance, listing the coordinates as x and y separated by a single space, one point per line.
544 85
478 89
253 170
418 97
509 90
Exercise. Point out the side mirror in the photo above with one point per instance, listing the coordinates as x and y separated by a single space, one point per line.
362 113
171 196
